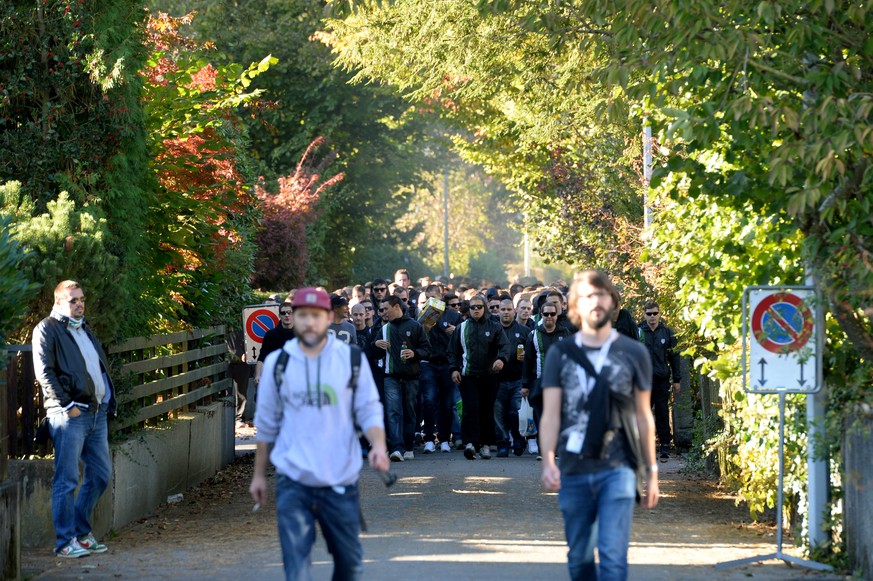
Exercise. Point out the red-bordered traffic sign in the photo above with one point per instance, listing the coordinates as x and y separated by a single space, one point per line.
782 323
259 322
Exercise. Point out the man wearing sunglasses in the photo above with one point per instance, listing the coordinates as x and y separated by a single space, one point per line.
477 352
660 340
72 371
276 337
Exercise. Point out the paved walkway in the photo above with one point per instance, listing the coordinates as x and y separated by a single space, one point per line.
446 519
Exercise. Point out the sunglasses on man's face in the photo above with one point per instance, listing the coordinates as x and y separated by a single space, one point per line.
454 305
477 307
382 310
494 308
550 314
283 313
652 314
369 308
380 289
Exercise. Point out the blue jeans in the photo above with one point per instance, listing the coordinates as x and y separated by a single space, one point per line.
400 413
437 389
506 413
584 498
85 437
339 516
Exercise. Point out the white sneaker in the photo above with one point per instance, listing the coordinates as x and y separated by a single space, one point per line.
396 456
409 455
429 448
485 452
444 447
532 447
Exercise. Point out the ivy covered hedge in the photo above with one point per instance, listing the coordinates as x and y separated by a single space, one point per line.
123 165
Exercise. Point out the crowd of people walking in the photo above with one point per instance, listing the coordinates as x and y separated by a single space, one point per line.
435 368
458 381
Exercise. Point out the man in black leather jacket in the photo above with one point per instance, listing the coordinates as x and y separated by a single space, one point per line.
71 368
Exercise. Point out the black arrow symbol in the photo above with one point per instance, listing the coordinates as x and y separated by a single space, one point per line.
802 381
762 363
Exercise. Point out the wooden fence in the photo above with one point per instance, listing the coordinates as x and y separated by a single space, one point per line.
155 378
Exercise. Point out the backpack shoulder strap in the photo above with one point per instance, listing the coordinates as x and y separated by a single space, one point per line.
355 355
279 370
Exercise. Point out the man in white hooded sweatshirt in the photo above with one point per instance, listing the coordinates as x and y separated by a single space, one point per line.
306 428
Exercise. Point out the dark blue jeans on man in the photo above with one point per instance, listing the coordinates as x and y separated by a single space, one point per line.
400 413
338 512
609 494
87 437
437 391
506 408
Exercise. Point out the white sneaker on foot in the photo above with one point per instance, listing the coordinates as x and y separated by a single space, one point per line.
532 447
444 447
485 452
429 448
409 455
72 550
396 456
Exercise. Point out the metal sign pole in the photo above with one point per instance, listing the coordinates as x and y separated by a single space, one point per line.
777 325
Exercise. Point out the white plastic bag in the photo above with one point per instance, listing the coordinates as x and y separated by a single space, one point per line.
526 425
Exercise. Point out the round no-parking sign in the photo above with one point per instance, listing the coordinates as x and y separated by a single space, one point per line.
782 323
257 320
781 350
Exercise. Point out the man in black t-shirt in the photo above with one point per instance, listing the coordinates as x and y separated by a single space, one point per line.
597 417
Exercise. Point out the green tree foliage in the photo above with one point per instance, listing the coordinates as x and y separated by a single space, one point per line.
481 238
70 121
14 284
378 137
521 108
207 214
56 242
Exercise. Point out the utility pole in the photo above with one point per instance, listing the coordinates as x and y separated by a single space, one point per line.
817 471
526 254
446 225
647 171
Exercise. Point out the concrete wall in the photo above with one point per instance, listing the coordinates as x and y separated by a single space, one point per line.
858 508
10 527
146 468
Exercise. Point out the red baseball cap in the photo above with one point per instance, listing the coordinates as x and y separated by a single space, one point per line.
311 297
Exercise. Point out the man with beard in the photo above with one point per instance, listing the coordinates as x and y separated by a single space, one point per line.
306 428
597 417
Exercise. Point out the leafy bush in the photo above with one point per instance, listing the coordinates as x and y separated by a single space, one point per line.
15 287
65 242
